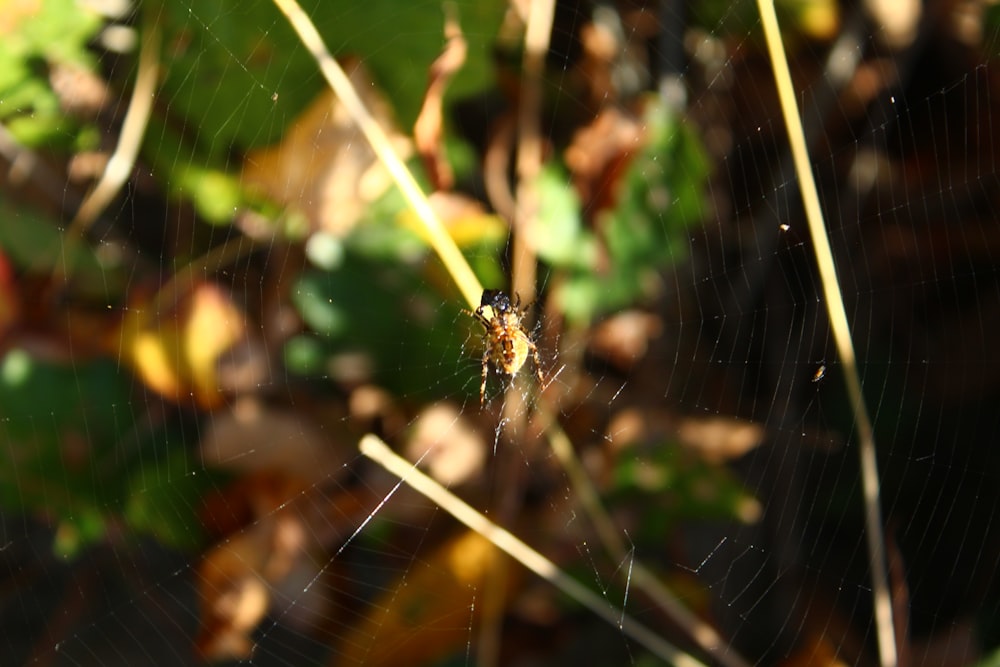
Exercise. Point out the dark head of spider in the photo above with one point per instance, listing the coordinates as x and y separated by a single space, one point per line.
495 299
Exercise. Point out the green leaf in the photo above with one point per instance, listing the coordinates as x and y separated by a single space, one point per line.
77 531
35 243
660 196
63 448
304 355
230 59
73 456
378 315
558 234
991 659
674 485
54 33
164 497
216 194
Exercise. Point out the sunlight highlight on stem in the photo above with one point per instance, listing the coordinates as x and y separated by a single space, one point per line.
841 334
122 160
379 452
439 238
529 145
524 263
644 579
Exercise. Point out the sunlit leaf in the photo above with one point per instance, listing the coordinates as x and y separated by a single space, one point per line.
53 32
428 618
175 353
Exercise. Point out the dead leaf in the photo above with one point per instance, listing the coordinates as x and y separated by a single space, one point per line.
466 220
897 20
720 439
275 536
236 579
623 339
10 303
427 616
816 651
599 153
175 353
324 165
80 92
428 129
253 438
444 442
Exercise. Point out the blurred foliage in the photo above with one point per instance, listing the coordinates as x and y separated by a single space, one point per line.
990 660
234 77
163 492
90 451
660 196
237 76
243 54
75 455
376 306
674 485
381 278
33 242
811 19
991 29
33 42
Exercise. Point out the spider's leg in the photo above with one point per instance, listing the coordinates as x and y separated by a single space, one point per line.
538 365
482 386
478 315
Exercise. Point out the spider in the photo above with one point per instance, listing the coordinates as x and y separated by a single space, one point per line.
507 343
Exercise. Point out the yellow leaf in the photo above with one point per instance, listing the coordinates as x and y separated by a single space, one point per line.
176 352
323 166
426 617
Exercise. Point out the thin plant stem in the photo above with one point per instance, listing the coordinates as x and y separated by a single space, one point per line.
379 452
437 235
644 579
122 160
842 337
529 145
529 162
523 271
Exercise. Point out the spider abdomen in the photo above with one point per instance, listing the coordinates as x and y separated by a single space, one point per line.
511 349
507 343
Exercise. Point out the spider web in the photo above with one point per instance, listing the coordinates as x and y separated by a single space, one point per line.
185 385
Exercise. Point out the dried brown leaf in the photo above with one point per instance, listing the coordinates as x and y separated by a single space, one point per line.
720 439
324 166
427 616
